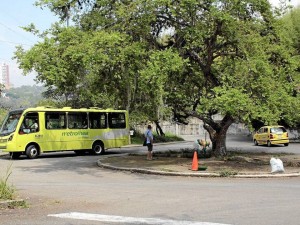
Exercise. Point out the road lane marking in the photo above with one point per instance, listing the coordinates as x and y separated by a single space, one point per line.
131 220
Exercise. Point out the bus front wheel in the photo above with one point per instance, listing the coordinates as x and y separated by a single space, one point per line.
32 152
97 149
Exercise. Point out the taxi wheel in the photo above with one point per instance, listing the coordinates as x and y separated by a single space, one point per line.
255 142
269 143
32 152
286 144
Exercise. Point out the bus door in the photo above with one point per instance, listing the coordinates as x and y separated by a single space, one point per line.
29 131
55 124
77 134
98 127
117 123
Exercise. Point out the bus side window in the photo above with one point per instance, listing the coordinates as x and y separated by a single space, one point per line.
77 120
55 120
98 120
116 120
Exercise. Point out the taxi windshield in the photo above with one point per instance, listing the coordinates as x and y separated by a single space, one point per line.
10 123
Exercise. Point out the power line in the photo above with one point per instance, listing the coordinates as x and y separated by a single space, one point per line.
15 43
5 60
16 32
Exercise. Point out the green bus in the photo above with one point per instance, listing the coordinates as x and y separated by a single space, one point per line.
33 131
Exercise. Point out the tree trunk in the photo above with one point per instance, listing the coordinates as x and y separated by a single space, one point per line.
159 130
217 133
219 144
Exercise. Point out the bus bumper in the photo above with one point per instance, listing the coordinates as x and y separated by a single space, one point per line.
3 143
8 146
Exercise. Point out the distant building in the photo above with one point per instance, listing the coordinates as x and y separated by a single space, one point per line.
4 75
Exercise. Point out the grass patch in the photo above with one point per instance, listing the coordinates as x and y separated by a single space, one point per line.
7 193
227 173
18 204
6 190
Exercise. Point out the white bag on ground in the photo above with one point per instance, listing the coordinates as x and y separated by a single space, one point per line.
276 165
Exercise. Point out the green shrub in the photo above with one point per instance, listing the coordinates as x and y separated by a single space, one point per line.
138 138
167 138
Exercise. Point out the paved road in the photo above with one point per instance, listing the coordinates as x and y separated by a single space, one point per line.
233 142
64 183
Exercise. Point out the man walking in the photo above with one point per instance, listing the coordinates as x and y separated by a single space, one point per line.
149 142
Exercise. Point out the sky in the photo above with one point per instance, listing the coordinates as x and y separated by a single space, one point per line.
20 13
14 15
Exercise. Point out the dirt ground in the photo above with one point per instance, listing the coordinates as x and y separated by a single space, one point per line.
235 163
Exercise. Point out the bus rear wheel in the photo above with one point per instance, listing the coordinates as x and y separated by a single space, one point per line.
79 152
97 149
32 152
15 155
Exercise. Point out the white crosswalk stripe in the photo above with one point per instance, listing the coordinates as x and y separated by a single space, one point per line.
130 220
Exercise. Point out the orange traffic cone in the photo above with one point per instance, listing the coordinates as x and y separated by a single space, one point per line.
195 162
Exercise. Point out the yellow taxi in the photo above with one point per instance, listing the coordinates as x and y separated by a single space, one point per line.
269 135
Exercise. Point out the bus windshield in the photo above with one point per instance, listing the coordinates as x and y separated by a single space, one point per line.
10 123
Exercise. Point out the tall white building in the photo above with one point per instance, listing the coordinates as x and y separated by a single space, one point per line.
4 75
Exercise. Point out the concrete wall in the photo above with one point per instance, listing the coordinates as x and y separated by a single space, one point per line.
195 127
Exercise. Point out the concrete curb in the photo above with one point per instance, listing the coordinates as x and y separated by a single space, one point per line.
193 174
2 154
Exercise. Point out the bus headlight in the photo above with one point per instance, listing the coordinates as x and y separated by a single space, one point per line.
10 138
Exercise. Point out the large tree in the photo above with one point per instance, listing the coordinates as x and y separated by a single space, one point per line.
291 33
197 58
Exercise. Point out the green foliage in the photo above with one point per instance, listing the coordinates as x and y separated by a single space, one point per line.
161 66
22 97
87 68
3 113
291 34
2 88
50 103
